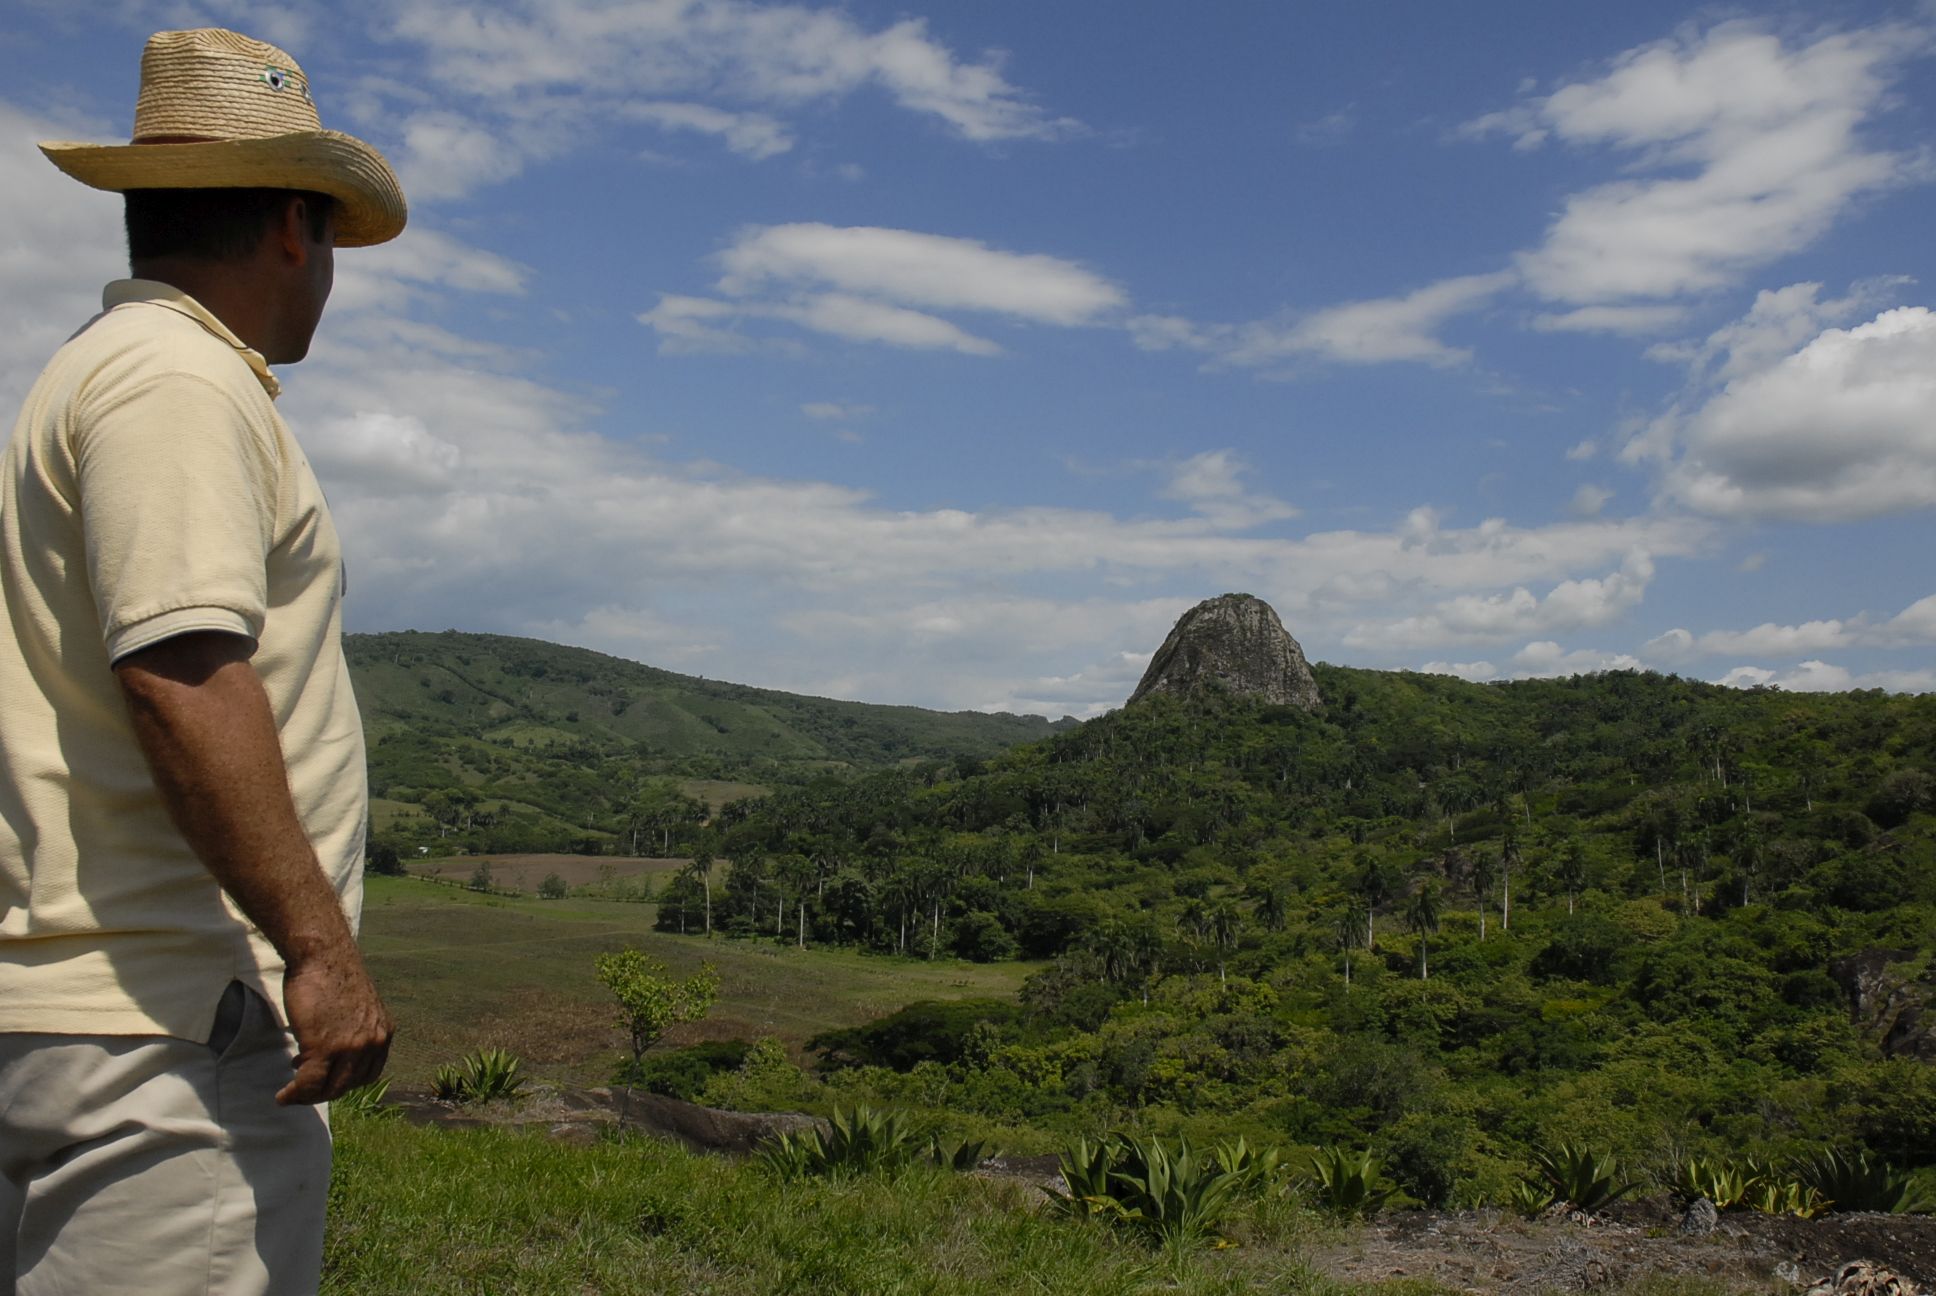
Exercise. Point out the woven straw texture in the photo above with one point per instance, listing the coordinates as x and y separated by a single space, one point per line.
218 110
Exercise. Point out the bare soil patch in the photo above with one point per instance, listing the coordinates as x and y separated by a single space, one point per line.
1493 1252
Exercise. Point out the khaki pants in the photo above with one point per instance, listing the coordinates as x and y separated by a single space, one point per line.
153 1165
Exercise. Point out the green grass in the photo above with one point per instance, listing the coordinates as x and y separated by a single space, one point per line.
463 971
429 1212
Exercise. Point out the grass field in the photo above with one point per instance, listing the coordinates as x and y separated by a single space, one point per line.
463 971
526 872
427 1212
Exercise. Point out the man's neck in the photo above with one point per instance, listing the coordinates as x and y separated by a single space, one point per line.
227 291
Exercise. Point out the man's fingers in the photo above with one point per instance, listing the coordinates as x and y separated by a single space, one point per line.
312 1074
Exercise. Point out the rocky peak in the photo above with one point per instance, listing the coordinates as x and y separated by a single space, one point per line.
1236 641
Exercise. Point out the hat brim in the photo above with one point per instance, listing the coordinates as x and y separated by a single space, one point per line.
330 162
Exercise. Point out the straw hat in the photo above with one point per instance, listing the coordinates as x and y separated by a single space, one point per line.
218 110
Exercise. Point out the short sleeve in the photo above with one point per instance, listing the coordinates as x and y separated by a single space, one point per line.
178 493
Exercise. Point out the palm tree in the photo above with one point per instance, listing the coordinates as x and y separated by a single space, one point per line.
1225 923
1422 916
1572 870
1350 932
1483 876
1375 887
700 869
1508 856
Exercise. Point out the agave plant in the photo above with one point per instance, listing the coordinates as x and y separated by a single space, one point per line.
1169 1197
1719 1181
480 1077
1585 1180
1172 1197
1531 1198
1852 1182
366 1102
1773 1195
959 1154
791 1156
856 1142
1086 1170
1346 1184
1248 1164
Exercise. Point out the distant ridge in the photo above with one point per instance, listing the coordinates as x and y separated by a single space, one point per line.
527 693
1233 641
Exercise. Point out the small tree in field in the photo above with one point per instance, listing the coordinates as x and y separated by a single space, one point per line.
650 1002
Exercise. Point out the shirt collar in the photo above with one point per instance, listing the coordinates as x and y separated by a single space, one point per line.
122 292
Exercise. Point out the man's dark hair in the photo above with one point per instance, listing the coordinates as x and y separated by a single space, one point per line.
211 224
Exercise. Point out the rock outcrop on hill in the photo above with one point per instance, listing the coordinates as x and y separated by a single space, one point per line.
1236 641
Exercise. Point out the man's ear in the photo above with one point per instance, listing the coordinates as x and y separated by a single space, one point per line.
292 231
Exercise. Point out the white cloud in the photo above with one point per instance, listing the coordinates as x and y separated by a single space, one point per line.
1212 485
1753 562
1545 659
1742 150
1611 319
837 410
927 271
1583 451
1673 646
1500 617
1377 331
1841 429
1770 640
1779 322
753 135
1913 627
859 320
864 284
1589 500
59 242
490 89
1478 672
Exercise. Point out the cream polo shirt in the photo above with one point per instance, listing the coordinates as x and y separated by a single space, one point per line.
150 489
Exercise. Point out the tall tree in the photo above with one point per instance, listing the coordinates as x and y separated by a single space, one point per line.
1349 931
1422 916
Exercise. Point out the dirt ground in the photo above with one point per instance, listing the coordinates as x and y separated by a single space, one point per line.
1495 1252
525 872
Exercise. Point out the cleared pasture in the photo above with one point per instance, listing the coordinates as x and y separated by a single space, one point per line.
463 971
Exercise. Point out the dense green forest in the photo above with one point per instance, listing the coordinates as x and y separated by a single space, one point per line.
492 743
1450 921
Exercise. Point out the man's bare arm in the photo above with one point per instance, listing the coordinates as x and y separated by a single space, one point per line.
204 724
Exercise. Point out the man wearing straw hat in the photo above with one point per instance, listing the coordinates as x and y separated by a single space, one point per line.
182 797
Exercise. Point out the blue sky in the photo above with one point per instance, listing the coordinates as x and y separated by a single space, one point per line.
946 355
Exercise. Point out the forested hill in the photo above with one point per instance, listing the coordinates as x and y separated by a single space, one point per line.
539 746
1452 922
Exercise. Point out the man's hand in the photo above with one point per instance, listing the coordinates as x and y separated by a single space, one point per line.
204 725
342 1031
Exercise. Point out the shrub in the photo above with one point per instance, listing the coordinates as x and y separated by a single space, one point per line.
552 888
480 1077
981 938
683 1073
1431 1155
481 876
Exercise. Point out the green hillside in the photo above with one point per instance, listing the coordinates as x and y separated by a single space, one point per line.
497 743
1454 923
